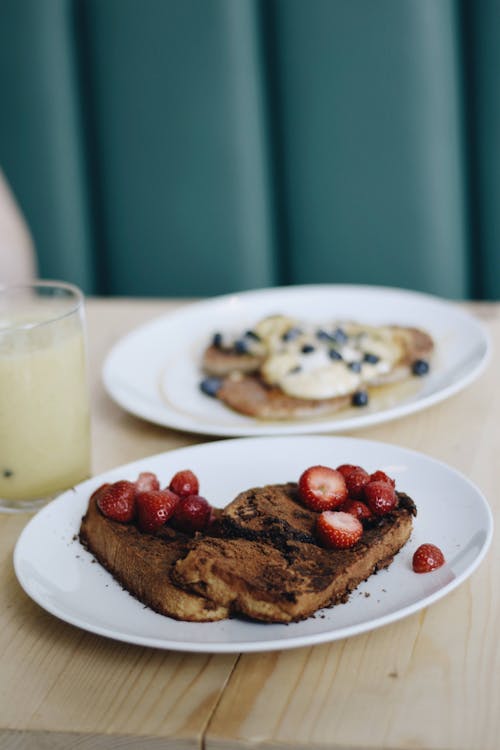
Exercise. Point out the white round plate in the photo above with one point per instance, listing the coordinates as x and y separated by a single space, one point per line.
154 371
61 576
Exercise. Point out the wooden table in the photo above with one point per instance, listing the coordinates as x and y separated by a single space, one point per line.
429 682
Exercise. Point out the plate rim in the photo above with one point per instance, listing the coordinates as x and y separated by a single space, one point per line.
246 646
177 421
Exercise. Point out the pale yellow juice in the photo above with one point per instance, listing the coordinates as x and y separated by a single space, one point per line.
44 410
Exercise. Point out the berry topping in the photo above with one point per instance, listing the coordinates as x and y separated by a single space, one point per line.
210 386
241 346
346 469
217 340
117 501
358 509
356 482
338 530
427 557
355 366
380 497
154 508
184 483
307 349
372 359
323 335
334 354
99 491
340 336
381 476
420 367
252 335
291 334
322 488
193 513
360 398
146 481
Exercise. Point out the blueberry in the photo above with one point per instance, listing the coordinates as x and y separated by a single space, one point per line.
252 335
307 349
340 336
372 359
334 354
217 340
360 398
295 370
241 346
355 366
420 367
291 334
210 386
324 335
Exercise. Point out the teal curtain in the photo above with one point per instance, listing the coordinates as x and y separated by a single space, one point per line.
196 147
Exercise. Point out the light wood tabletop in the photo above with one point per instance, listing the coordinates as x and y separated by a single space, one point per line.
428 682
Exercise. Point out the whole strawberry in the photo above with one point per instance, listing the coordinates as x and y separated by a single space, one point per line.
117 501
322 488
99 491
193 513
155 508
356 482
427 557
338 530
185 483
381 476
357 508
346 469
380 497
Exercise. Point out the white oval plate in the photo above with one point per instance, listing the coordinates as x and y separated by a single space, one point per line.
61 576
154 373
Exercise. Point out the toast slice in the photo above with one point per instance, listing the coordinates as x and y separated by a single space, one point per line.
142 564
268 565
247 386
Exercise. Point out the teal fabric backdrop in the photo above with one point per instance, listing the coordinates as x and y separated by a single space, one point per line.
196 147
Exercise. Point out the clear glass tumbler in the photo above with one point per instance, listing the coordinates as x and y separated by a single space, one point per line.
44 398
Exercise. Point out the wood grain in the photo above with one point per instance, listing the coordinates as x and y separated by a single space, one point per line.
429 682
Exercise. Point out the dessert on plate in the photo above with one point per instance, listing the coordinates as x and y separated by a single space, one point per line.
282 368
276 553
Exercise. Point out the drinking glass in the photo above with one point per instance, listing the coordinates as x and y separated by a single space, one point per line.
44 399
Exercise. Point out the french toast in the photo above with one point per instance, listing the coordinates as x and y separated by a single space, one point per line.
282 371
142 564
261 557
268 564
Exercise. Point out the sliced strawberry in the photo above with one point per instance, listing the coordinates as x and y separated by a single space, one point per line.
185 483
356 482
147 481
381 476
322 488
427 557
380 497
154 508
338 530
193 513
117 501
357 508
